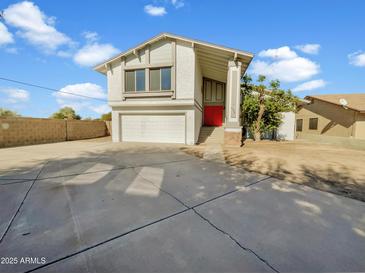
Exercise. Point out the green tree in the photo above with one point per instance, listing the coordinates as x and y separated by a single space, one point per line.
106 116
8 113
263 104
66 113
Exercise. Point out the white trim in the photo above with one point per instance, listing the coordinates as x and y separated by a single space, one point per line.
152 103
151 66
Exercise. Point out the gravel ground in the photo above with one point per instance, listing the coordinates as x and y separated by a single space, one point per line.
330 168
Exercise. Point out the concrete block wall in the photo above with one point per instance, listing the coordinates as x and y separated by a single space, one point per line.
78 129
29 131
108 125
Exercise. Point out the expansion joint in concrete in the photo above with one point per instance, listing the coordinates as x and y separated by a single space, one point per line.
108 240
21 204
213 225
235 241
187 208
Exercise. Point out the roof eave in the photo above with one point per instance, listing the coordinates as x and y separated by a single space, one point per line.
322 100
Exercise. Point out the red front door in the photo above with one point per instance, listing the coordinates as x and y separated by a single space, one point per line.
213 116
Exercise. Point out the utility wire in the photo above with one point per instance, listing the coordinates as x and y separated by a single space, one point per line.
51 89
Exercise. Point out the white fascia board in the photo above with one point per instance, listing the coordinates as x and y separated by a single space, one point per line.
139 103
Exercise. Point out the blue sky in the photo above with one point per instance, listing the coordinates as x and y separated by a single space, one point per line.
313 47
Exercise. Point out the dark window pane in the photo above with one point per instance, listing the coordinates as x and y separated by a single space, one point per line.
313 123
155 79
129 81
165 78
299 124
140 80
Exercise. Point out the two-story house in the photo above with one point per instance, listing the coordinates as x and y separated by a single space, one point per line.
165 89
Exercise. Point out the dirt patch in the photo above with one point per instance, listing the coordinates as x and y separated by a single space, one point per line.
325 167
197 151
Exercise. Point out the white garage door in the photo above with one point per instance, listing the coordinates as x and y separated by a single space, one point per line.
153 128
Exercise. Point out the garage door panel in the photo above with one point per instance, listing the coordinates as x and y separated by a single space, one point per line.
153 128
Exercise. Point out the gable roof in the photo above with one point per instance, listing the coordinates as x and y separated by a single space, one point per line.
355 101
243 56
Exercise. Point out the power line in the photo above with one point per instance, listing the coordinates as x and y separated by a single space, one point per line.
50 89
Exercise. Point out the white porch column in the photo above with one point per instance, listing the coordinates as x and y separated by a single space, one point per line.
116 126
233 128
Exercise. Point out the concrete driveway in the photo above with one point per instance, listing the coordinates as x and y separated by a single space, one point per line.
95 206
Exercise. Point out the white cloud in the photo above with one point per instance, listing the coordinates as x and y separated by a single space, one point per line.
15 95
309 48
155 10
285 65
83 89
178 3
279 53
90 36
357 58
5 36
310 85
36 27
80 103
290 70
92 54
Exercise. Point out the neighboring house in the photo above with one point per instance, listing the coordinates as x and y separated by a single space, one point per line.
340 115
167 88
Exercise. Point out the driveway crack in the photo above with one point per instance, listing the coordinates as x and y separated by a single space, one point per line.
21 204
236 241
162 190
187 208
213 225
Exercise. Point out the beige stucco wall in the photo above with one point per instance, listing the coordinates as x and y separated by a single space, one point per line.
360 126
198 92
333 120
29 131
114 81
161 52
131 59
198 96
185 70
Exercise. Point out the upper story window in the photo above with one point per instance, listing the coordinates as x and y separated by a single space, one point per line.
299 124
313 123
160 79
135 80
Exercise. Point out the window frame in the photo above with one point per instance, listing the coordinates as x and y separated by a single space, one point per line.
135 81
313 119
161 78
144 80
159 69
150 82
125 80
301 125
